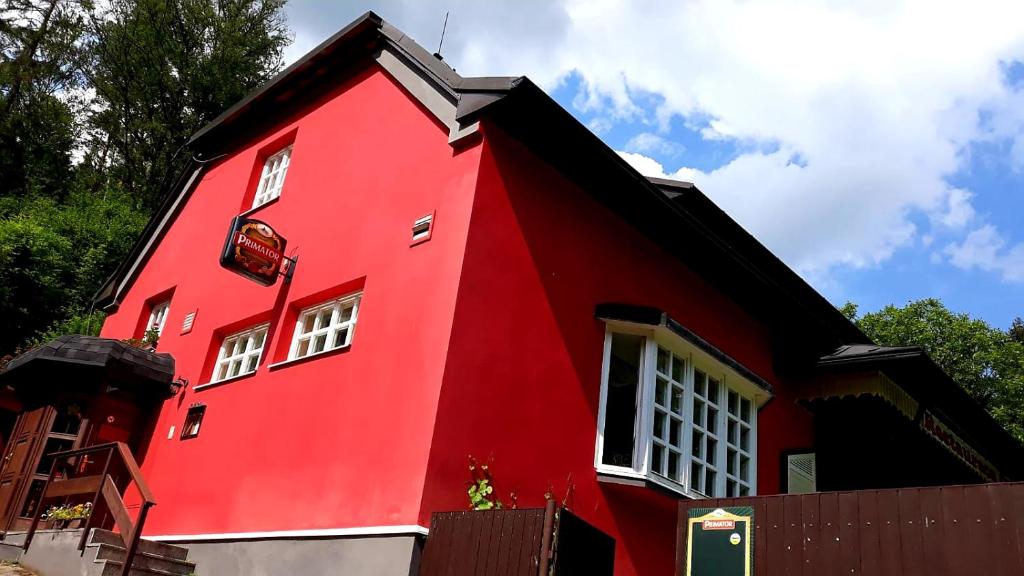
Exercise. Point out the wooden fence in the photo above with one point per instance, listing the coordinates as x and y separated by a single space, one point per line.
944 531
528 542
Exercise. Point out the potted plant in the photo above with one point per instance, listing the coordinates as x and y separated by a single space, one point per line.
68 515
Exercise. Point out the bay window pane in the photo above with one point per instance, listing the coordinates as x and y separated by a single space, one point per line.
621 401
659 424
657 459
713 391
662 360
677 399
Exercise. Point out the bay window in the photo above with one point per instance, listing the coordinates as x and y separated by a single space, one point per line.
675 415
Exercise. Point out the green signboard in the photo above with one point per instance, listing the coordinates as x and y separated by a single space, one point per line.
720 542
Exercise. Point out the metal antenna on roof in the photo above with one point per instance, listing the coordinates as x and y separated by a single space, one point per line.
441 43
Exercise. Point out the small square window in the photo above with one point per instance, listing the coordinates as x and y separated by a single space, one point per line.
325 327
193 421
240 353
272 177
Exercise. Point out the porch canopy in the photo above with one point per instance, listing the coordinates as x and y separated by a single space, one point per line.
890 416
73 361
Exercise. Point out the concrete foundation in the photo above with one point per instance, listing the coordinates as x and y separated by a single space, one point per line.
54 552
358 556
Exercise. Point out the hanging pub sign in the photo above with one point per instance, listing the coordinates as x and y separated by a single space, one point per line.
254 250
720 542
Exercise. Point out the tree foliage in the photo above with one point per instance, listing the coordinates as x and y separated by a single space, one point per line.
986 361
164 68
96 101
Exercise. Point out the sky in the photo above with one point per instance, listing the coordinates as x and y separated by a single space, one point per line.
877 147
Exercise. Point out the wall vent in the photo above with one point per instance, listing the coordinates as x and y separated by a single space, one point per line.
801 473
422 228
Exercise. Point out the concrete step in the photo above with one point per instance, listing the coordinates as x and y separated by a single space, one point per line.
114 568
116 554
148 546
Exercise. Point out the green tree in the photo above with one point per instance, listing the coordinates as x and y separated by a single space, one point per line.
1017 330
54 254
986 361
40 82
164 68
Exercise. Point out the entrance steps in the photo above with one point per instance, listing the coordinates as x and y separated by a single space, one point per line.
55 553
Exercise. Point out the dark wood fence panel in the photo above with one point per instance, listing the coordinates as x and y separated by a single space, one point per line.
516 543
486 542
942 531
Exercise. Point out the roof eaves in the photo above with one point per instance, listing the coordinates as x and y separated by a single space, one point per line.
367 20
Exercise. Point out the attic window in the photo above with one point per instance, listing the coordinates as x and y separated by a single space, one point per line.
272 178
193 421
422 228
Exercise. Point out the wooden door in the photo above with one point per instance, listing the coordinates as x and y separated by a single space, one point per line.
23 453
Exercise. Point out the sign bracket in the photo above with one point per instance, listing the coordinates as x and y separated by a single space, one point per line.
289 270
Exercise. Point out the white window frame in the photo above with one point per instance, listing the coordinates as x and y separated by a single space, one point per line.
275 168
695 359
249 355
158 317
328 330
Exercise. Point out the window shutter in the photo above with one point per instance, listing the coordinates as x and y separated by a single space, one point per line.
801 473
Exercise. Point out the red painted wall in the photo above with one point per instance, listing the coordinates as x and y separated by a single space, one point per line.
522 380
339 440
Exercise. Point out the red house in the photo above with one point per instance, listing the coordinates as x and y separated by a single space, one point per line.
472 272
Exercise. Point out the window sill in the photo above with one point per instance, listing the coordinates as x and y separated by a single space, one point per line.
256 209
643 481
331 352
225 381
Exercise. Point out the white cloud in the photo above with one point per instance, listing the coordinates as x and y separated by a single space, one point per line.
985 249
880 100
650 167
650 143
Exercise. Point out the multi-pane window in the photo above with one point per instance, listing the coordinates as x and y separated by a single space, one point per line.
667 457
158 316
240 353
738 447
676 417
272 177
325 327
704 440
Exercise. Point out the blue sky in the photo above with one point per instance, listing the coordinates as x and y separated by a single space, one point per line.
876 147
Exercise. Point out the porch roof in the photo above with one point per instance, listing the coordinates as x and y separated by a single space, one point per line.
91 356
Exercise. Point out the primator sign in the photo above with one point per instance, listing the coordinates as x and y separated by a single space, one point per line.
254 250
719 542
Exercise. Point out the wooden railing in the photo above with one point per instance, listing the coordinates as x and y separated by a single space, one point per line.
99 485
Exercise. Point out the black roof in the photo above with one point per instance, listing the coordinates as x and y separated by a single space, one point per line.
911 368
80 356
